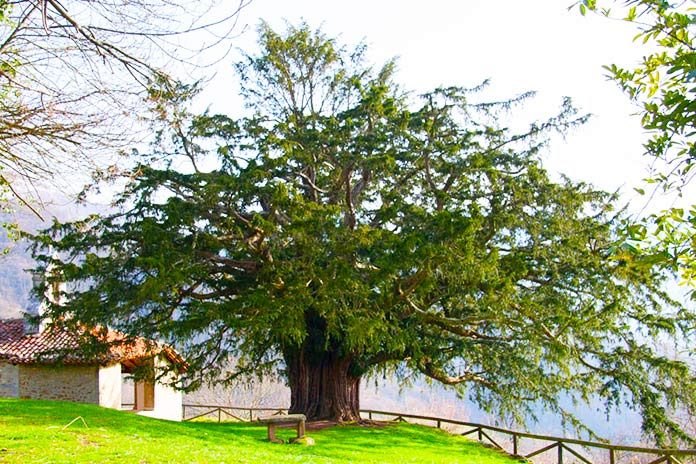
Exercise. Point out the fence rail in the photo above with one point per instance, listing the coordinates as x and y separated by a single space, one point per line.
240 413
565 448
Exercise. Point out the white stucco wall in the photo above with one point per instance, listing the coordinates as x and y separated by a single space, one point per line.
110 386
167 400
9 380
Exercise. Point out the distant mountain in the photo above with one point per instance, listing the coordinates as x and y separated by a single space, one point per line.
15 281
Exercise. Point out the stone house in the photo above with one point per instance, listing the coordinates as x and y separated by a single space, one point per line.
47 363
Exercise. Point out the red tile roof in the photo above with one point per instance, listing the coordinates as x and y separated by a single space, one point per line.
61 345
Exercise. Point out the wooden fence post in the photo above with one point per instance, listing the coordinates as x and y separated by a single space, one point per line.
560 453
612 457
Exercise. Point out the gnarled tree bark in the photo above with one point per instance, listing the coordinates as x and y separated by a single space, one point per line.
322 387
324 382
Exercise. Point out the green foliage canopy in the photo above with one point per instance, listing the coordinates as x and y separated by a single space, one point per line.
663 84
348 220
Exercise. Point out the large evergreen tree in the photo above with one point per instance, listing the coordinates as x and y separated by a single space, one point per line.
347 227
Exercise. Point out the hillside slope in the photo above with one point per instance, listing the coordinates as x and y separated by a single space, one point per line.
38 431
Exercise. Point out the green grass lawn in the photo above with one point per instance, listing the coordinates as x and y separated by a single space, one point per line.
34 431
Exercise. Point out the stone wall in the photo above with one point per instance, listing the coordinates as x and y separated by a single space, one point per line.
9 380
66 383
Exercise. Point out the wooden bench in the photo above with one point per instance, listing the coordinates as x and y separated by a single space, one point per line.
290 419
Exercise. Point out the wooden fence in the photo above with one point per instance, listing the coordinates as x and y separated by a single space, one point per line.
242 414
564 449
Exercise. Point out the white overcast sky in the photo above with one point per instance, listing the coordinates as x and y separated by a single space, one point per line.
520 45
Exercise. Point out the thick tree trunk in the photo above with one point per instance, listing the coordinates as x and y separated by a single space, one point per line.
322 387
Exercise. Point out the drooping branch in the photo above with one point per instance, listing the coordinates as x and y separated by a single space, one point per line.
428 368
231 264
69 78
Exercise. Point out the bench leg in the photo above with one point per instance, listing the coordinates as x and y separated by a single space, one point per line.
271 434
300 429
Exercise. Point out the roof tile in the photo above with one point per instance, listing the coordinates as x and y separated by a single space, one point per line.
56 345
